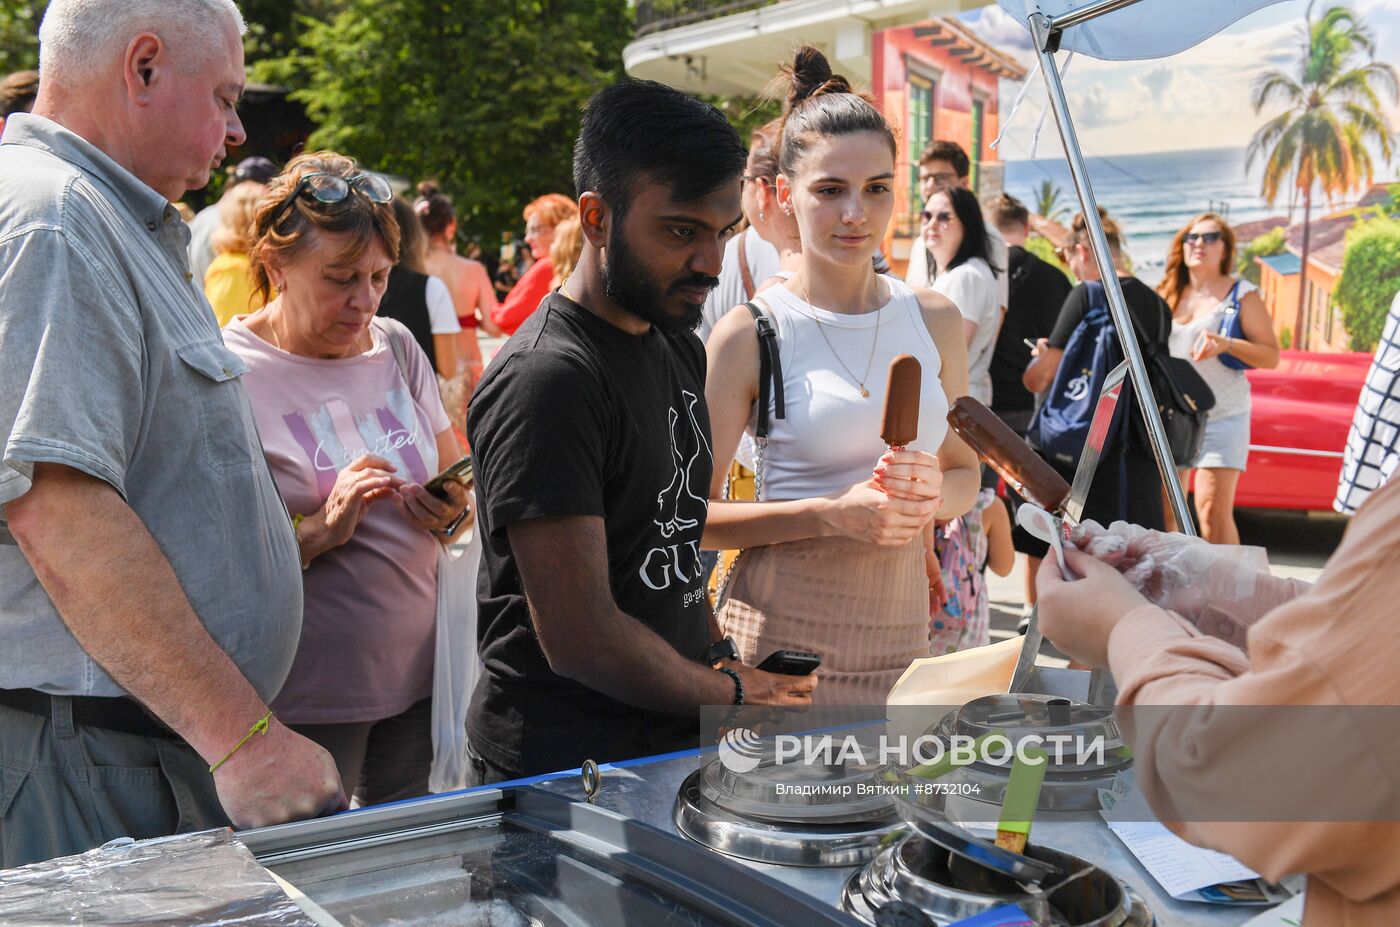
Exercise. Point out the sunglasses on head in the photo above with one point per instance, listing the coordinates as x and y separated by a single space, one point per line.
329 189
1208 238
941 219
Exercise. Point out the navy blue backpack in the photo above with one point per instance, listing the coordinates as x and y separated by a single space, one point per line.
1061 425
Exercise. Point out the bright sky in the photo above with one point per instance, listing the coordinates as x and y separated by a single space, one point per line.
1197 99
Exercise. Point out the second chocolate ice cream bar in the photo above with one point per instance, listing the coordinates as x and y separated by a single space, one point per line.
1009 455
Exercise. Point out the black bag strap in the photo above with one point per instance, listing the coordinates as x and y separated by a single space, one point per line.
1150 349
770 371
1174 376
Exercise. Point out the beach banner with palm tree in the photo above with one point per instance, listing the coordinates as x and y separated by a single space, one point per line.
1333 115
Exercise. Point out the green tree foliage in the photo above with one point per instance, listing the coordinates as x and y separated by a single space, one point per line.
483 96
275 30
746 113
1047 201
1269 243
19 34
1044 249
1369 281
1332 113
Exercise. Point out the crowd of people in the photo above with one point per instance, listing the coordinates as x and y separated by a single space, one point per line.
220 581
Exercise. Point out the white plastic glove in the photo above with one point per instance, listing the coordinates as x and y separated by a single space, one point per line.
1213 586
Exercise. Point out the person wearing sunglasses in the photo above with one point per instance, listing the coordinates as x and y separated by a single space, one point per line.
956 237
1218 321
944 163
541 217
352 424
1127 492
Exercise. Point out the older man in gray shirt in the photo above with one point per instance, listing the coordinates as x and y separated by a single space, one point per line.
150 595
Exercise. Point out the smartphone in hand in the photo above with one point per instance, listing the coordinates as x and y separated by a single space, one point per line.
459 472
791 663
1199 346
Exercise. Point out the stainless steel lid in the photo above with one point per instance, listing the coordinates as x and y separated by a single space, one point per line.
933 825
949 888
795 814
797 791
1050 720
1085 747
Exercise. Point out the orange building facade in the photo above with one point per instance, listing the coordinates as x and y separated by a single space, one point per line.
937 80
1281 275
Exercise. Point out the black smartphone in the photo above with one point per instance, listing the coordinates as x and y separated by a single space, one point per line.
791 663
461 472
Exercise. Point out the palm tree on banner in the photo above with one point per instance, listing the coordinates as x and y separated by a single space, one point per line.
1047 201
1333 112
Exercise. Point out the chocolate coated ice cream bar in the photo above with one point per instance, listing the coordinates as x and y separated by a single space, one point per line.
901 422
1009 455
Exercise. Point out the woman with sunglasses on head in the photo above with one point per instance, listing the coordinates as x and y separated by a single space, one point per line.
1219 322
956 236
1131 490
833 555
348 411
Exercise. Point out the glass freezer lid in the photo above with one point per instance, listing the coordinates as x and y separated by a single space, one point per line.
518 857
502 875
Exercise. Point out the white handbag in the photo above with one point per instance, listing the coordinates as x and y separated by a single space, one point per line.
455 662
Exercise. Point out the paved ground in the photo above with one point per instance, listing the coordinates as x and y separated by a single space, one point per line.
1298 545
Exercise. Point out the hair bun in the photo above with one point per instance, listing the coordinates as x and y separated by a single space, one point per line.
810 75
429 189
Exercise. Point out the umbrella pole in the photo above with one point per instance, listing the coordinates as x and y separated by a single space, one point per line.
1085 13
1042 30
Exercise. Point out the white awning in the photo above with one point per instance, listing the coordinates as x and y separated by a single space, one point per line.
1145 29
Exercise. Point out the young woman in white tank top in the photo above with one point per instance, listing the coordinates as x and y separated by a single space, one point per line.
834 549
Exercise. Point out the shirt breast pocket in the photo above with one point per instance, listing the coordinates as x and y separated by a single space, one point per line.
228 434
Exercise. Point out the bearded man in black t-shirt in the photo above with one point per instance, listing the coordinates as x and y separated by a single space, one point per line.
592 447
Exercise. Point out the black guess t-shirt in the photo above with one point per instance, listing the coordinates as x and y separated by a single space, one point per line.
577 417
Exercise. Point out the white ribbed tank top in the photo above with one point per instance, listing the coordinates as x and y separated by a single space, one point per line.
830 438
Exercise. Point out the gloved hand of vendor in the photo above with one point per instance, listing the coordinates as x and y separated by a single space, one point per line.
1217 587
1078 616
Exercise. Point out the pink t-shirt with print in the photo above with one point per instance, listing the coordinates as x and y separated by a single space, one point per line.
366 650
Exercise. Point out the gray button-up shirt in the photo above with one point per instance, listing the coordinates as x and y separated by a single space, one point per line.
111 363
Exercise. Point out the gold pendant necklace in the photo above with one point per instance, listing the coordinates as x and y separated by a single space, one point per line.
821 329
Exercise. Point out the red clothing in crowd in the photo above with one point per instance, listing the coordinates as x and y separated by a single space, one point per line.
525 297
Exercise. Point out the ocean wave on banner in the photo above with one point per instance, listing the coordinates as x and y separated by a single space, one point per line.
1152 195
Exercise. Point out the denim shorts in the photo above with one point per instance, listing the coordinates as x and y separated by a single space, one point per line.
1225 445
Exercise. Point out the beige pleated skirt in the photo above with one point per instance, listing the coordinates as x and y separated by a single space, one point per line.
862 608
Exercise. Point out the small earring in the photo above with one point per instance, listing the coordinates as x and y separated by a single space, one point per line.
761 216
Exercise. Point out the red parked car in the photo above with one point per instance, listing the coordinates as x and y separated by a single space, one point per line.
1302 411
